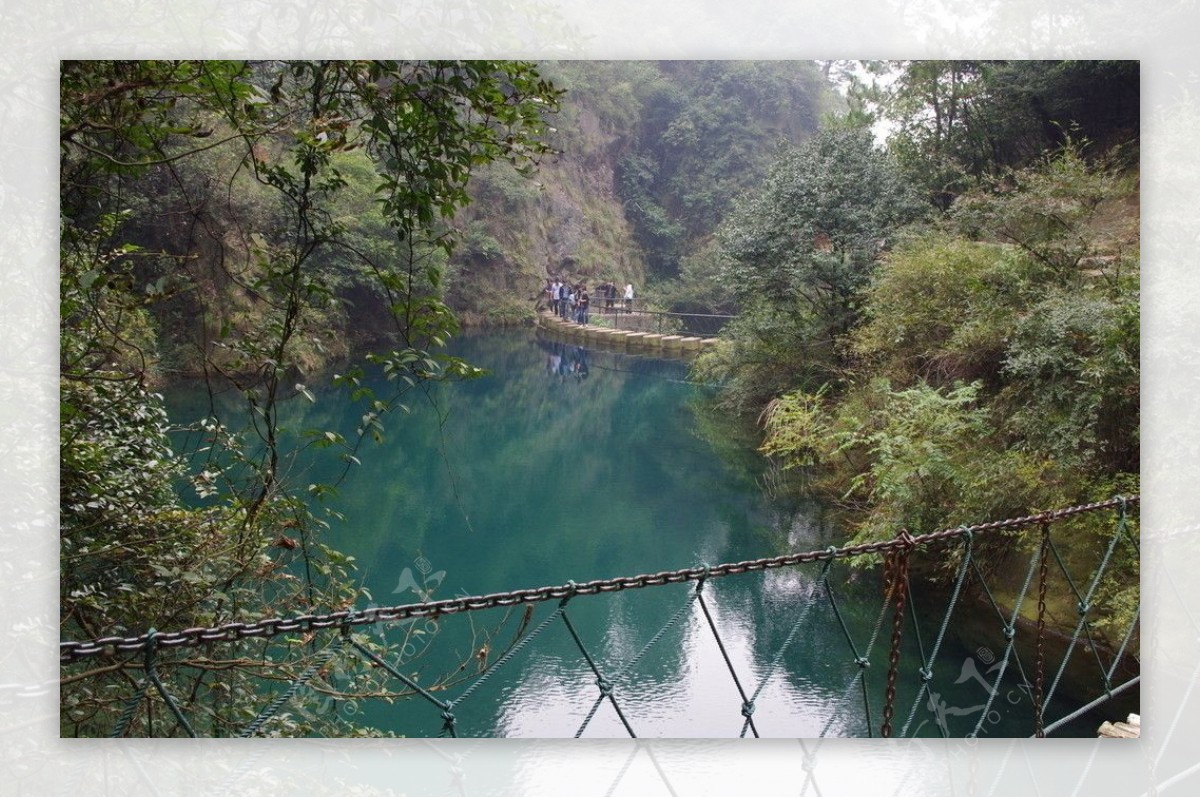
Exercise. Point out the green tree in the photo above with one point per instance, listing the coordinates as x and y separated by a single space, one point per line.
812 235
707 132
244 195
797 255
996 368
956 122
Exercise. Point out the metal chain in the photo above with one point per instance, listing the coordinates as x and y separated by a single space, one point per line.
897 587
73 651
1040 668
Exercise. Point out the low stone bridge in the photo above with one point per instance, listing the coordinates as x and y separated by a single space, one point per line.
660 344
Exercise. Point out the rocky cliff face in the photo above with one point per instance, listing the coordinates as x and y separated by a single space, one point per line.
566 221
649 155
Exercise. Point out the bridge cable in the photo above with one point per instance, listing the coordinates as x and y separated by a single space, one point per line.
747 704
897 596
862 660
603 683
321 660
151 671
778 658
1010 638
1084 605
1039 705
898 587
926 669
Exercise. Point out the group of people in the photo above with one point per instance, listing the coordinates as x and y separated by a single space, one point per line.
572 302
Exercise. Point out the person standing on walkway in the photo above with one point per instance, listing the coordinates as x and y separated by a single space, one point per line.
564 291
629 297
581 315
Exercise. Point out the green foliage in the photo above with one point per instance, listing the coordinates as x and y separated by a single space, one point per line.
706 132
650 157
1072 369
941 308
959 121
763 353
814 231
1038 310
919 458
250 202
699 287
1051 211
796 257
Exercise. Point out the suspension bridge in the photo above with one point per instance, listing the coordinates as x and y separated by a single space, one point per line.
156 678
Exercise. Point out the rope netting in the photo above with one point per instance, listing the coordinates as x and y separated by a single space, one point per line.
914 608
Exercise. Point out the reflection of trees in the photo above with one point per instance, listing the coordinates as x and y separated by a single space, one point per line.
519 479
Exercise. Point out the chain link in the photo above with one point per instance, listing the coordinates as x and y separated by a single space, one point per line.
73 651
897 587
1040 668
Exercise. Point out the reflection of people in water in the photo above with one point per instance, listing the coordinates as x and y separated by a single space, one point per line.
564 360
580 362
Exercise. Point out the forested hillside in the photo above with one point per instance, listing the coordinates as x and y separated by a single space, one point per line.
256 223
947 329
650 156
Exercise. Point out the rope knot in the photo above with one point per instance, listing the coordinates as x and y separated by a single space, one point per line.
926 674
1009 632
967 533
747 709
906 540
448 718
704 573
606 687
1083 608
862 662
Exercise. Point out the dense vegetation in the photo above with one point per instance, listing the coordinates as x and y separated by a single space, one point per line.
232 218
651 156
972 360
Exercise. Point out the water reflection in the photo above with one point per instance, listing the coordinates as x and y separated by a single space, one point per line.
563 359
564 464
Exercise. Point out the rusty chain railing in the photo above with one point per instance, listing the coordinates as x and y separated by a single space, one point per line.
897 553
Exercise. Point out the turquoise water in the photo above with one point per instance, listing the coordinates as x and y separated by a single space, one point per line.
563 465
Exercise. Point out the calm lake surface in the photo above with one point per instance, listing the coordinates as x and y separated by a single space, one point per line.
563 465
